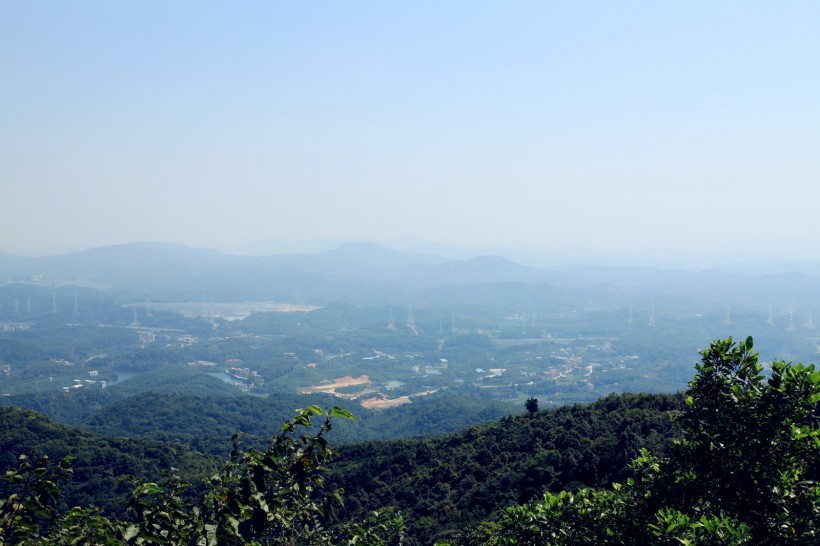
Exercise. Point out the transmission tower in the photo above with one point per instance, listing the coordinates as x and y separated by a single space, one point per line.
411 322
728 319
391 322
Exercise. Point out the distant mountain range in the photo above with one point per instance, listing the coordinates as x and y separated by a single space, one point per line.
163 267
368 272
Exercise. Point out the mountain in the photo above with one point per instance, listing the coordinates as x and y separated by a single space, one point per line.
476 270
440 484
368 273
352 269
122 265
100 464
148 254
374 255
443 484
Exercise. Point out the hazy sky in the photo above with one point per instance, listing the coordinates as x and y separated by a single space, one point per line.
521 124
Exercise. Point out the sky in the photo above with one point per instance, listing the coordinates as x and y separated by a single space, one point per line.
636 126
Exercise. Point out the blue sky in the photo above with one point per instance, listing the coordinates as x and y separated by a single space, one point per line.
626 126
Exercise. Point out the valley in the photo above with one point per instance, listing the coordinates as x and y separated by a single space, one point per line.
435 372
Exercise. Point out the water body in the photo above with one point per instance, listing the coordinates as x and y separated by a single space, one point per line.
226 378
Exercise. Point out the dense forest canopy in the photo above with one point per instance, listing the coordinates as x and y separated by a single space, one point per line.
742 470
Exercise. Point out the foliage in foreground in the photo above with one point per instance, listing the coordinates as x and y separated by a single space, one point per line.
745 471
275 496
444 484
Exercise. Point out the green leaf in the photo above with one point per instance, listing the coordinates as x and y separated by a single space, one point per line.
131 531
210 534
234 523
314 410
339 412
150 488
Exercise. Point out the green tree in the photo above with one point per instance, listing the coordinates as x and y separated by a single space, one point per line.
744 472
531 404
751 444
29 510
275 496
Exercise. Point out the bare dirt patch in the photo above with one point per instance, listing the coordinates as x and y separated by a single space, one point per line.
384 403
338 383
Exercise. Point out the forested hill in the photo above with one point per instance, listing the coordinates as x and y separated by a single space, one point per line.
102 464
440 484
443 484
200 419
